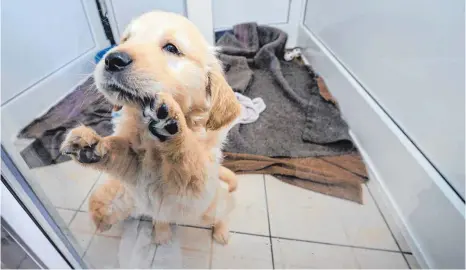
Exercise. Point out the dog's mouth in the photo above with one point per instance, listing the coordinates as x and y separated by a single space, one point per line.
125 96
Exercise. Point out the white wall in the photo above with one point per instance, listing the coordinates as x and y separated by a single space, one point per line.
282 14
123 11
409 55
228 13
47 49
431 215
36 44
397 71
213 15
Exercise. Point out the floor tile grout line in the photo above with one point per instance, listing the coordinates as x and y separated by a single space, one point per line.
305 241
340 245
251 234
193 226
388 226
90 190
88 246
268 220
72 218
90 241
406 260
70 209
211 252
153 257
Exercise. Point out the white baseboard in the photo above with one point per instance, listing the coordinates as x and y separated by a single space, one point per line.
385 203
429 213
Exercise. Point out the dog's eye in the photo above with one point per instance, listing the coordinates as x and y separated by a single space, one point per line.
171 49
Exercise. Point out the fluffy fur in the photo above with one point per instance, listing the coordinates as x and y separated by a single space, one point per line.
170 172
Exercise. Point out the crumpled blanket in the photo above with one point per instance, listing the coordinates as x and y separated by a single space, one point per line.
297 122
85 105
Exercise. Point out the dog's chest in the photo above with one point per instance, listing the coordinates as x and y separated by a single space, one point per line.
152 198
149 192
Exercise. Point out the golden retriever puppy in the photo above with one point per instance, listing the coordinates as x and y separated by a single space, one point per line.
165 153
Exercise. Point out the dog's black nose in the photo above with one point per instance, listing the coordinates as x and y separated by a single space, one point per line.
117 61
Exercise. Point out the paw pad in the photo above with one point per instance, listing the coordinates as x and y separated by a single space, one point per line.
161 124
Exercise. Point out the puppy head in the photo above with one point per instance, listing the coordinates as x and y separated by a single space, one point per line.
165 52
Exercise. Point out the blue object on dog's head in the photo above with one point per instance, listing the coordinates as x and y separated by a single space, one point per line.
101 54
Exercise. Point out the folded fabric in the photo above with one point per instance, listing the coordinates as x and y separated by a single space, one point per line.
338 176
251 108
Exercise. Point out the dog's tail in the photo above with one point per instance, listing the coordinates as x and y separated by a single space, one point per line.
229 177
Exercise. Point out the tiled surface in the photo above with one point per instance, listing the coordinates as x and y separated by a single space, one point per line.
189 248
244 252
413 264
375 259
66 185
300 214
103 252
66 215
376 190
250 206
308 230
113 250
83 230
101 180
296 254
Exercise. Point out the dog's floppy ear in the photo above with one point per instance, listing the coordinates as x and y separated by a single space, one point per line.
224 106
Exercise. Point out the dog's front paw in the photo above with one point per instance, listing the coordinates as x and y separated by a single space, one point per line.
81 144
221 233
164 117
162 233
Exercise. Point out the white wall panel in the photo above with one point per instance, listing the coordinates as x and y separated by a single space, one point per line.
38 38
227 13
124 11
409 55
432 214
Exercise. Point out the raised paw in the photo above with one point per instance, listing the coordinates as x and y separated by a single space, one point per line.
163 117
81 144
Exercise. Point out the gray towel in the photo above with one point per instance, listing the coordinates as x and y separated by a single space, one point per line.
297 122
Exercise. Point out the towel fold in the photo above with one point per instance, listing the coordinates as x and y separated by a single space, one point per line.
250 108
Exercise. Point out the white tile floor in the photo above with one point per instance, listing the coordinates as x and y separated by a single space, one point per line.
274 225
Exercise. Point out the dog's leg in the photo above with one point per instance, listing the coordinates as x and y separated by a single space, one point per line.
184 157
109 204
221 232
229 177
217 214
162 232
112 154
